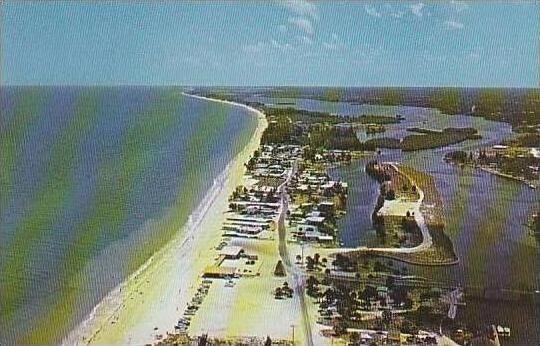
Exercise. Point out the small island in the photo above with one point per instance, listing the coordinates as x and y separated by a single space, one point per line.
409 217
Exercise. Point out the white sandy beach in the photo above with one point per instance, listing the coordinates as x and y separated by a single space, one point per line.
151 300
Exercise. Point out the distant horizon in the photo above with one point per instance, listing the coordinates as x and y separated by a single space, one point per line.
274 86
350 44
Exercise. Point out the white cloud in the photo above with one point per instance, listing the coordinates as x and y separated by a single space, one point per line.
453 24
475 54
303 24
254 48
261 46
306 40
330 46
397 14
459 6
334 43
302 8
432 58
416 9
304 15
392 11
280 46
372 11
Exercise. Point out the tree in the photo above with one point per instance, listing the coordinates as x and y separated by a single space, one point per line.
399 294
310 263
203 340
298 258
340 327
407 327
342 261
387 316
268 341
378 266
369 292
312 280
425 313
312 289
316 258
280 269
390 281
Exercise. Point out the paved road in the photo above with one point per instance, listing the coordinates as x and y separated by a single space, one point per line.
297 275
427 241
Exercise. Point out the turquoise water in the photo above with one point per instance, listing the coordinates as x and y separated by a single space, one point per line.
97 175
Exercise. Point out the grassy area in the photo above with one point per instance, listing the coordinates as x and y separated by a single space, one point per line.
269 181
442 251
435 139
378 119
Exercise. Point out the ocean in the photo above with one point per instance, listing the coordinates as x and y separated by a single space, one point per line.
93 181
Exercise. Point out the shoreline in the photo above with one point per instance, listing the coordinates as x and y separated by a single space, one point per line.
151 297
508 176
432 234
531 184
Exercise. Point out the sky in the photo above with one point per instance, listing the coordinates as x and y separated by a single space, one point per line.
361 43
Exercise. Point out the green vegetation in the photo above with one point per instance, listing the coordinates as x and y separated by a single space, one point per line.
378 119
404 185
322 130
290 126
514 161
322 137
432 140
536 224
280 269
311 117
383 142
520 108
429 139
459 156
529 140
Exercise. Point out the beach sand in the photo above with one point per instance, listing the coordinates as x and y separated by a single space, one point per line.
249 308
151 300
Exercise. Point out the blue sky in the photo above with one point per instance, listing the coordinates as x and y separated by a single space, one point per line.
382 43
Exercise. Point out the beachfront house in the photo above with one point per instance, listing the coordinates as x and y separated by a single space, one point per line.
232 252
308 232
219 272
303 228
